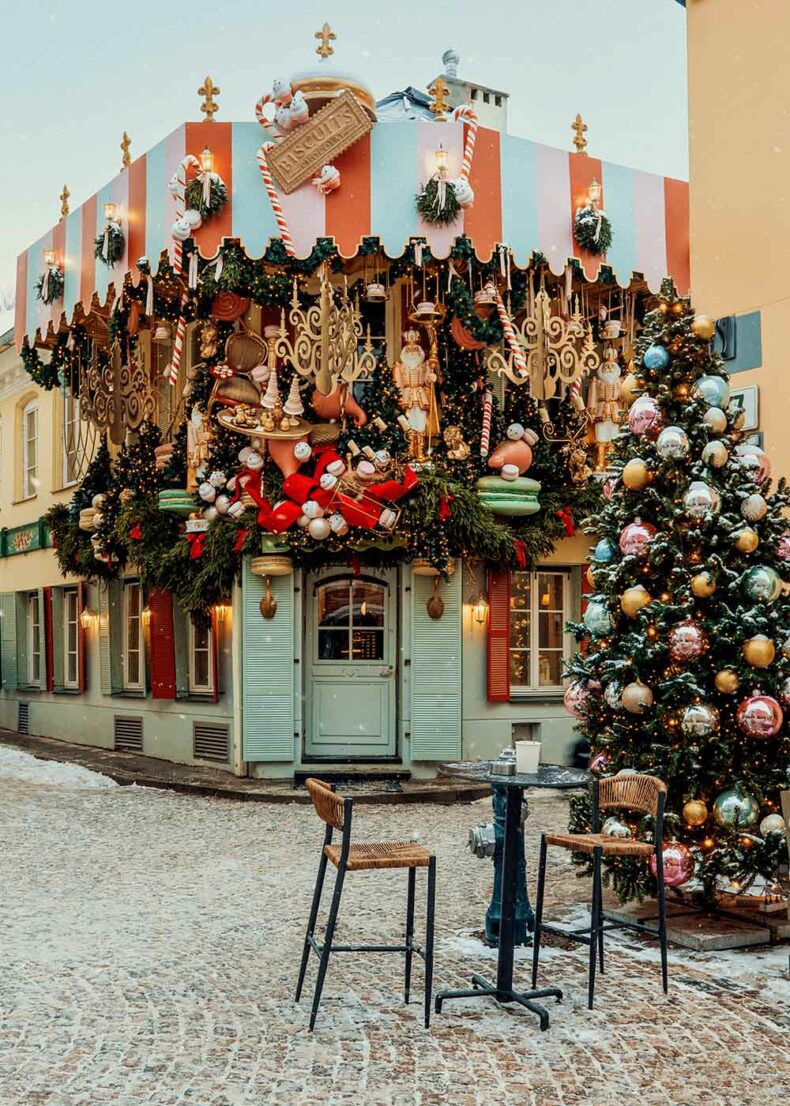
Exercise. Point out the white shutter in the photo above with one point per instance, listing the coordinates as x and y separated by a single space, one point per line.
267 670
436 664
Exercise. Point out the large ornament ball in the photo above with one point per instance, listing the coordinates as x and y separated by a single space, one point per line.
783 546
207 492
736 808
747 540
703 585
695 813
761 583
713 389
772 823
604 551
635 538
760 716
319 528
754 507
673 443
637 698
703 326
636 474
784 691
715 454
597 618
727 681
633 599
699 720
755 460
613 827
312 509
687 641
613 696
701 500
715 420
656 357
677 862
759 651
210 513
599 763
644 417
222 503
630 386
576 695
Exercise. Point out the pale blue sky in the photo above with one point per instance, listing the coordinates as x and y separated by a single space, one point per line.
76 74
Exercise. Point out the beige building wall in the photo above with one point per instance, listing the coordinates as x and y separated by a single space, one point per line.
739 137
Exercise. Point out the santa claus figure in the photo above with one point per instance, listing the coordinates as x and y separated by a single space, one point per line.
604 405
416 380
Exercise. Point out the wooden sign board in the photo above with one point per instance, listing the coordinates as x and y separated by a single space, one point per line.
305 151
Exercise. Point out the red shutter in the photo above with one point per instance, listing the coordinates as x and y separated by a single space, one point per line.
163 646
215 626
48 638
82 672
498 636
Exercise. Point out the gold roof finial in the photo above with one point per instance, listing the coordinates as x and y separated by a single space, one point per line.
440 93
327 35
126 142
64 201
579 141
209 90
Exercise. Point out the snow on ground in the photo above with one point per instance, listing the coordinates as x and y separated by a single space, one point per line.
17 766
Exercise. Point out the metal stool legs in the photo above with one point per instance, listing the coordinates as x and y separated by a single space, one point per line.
596 921
328 938
409 935
539 910
429 927
662 923
319 885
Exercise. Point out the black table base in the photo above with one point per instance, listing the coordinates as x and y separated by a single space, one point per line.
482 988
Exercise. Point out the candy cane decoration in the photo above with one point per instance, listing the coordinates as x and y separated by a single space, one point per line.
171 376
274 199
265 122
468 114
178 186
519 360
485 437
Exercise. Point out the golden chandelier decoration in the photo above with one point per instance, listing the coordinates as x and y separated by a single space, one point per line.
557 352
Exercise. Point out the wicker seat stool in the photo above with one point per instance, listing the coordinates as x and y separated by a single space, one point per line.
646 794
336 812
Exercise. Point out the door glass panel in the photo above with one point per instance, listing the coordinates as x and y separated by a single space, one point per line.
333 604
333 645
350 617
368 645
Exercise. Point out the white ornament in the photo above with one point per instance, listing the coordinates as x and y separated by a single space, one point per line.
302 452
244 453
772 823
193 217
281 92
303 521
715 420
382 458
754 507
254 461
464 193
312 509
210 513
207 491
515 431
387 518
319 528
509 472
336 468
236 509
339 525
222 503
328 482
299 110
181 230
217 479
365 471
293 405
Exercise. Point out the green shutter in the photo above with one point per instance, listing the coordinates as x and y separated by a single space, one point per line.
436 671
58 657
181 643
267 668
110 637
8 640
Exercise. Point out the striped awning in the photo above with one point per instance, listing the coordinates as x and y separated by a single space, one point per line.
526 195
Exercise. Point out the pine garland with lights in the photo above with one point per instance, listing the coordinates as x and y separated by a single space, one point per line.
685 669
49 286
592 230
109 245
218 197
436 204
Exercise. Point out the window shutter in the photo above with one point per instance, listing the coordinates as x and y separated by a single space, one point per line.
215 628
110 637
58 666
82 670
267 670
162 645
8 640
498 636
181 633
45 607
436 671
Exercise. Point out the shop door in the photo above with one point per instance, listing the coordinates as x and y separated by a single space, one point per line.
350 650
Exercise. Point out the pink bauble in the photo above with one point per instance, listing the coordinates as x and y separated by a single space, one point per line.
599 763
760 716
644 417
783 547
635 537
678 864
756 458
576 695
687 641
608 487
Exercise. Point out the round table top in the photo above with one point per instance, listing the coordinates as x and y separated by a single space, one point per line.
548 775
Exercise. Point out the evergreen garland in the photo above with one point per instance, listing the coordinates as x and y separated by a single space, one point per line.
218 197
49 286
434 208
115 245
592 230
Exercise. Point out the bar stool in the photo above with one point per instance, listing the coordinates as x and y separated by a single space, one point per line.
646 794
336 812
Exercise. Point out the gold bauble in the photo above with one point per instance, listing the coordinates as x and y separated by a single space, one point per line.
703 326
630 386
746 540
703 585
727 681
636 474
695 812
633 599
759 651
591 576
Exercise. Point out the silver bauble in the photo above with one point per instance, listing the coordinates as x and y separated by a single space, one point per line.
715 454
715 420
754 507
701 500
673 443
699 720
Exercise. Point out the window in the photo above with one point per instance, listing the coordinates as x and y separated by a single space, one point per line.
133 659
486 97
498 101
350 620
33 640
201 665
474 93
71 669
71 437
30 450
539 646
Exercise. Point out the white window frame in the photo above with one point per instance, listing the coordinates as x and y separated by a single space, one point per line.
70 421
30 446
133 625
34 639
71 638
195 687
534 688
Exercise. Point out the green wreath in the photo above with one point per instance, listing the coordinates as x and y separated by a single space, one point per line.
592 230
429 207
49 286
218 196
115 245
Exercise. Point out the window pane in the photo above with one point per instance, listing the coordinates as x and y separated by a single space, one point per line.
368 604
550 668
333 645
368 645
550 591
550 629
519 590
519 667
519 629
201 668
333 604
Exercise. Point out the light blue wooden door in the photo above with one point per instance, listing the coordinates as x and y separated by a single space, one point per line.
350 651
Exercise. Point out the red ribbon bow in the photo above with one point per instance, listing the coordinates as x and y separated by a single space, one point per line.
566 516
521 553
136 533
196 543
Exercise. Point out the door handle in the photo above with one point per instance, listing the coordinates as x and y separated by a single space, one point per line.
387 670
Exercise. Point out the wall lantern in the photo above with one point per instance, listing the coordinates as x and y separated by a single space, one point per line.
110 212
49 258
87 617
594 193
440 157
222 612
207 160
480 609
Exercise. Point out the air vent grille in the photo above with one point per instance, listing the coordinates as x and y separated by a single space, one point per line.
128 734
23 719
211 741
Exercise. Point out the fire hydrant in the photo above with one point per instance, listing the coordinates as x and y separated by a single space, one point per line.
486 841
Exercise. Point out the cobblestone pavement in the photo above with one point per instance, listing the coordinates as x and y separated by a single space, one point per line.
150 941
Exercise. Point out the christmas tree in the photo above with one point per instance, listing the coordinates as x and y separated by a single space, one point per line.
683 672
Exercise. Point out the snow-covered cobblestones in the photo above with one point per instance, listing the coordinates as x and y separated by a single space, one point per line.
149 945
